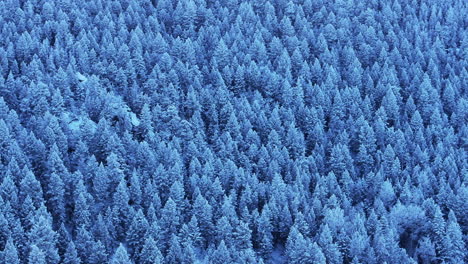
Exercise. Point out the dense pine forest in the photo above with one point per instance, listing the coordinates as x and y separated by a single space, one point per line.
258 131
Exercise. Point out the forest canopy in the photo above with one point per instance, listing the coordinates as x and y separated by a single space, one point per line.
258 131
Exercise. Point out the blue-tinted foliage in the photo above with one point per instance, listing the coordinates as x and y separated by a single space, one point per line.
201 131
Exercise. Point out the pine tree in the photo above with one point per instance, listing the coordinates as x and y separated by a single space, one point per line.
101 183
190 233
426 250
242 236
135 190
454 246
389 102
31 187
120 256
170 221
357 245
44 237
340 159
387 193
122 209
100 254
10 253
81 213
302 250
223 230
367 146
146 123
177 194
18 235
174 253
114 169
295 142
136 233
150 252
265 237
83 243
36 256
71 255
26 214
204 213
438 227
221 254
221 54
56 193
427 98
101 231
330 249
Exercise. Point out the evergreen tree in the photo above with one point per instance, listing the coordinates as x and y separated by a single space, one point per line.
135 190
81 213
330 249
203 211
31 187
36 256
100 183
136 233
223 230
242 236
56 193
120 256
454 246
389 102
84 243
10 253
101 231
265 237
426 250
121 208
438 227
340 159
150 252
71 255
170 221
190 233
177 194
221 254
100 254
174 253
302 250
44 237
